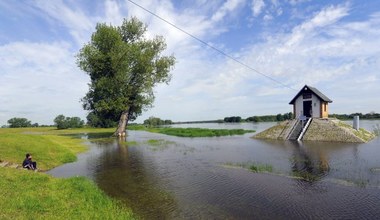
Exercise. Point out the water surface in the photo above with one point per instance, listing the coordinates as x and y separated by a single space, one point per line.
161 176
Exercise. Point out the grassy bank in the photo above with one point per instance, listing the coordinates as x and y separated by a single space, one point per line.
50 147
29 195
191 132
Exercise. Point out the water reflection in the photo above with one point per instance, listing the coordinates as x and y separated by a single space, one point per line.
307 166
125 174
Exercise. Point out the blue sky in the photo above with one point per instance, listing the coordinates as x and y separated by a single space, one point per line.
331 45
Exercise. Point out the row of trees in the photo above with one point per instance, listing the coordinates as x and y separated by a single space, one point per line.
264 118
153 122
371 115
60 121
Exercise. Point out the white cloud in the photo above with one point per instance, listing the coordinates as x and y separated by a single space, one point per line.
296 2
228 7
257 7
112 12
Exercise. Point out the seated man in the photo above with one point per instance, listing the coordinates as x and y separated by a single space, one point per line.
28 163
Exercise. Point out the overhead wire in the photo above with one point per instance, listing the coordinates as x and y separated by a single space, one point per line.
211 46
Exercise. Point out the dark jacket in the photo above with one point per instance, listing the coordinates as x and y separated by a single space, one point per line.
27 164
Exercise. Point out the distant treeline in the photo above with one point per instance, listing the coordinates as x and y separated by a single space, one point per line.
61 122
238 119
263 118
368 116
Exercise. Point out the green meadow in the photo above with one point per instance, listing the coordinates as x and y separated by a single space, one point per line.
35 195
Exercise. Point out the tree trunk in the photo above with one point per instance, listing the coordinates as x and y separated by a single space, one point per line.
123 122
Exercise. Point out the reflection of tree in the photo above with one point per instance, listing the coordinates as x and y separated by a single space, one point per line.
309 167
123 174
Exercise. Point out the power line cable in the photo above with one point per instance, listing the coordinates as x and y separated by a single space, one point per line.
210 46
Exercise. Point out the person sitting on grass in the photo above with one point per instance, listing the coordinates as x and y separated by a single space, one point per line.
28 163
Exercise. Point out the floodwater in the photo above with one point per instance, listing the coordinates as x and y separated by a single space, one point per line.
165 177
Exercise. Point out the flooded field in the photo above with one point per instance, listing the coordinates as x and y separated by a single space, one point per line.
161 176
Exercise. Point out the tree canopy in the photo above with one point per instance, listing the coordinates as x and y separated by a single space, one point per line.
124 67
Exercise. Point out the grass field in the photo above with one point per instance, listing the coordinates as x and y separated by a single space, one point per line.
29 195
191 132
50 147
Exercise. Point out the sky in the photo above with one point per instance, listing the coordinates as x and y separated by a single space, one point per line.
331 45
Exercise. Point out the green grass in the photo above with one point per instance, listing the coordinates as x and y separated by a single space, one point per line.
29 195
49 147
192 132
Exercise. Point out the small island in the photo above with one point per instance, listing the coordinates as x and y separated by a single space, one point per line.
311 122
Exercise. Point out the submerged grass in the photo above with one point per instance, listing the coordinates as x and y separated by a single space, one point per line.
252 166
192 132
259 168
159 144
29 195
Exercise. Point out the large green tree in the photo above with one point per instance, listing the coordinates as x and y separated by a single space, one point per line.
124 66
